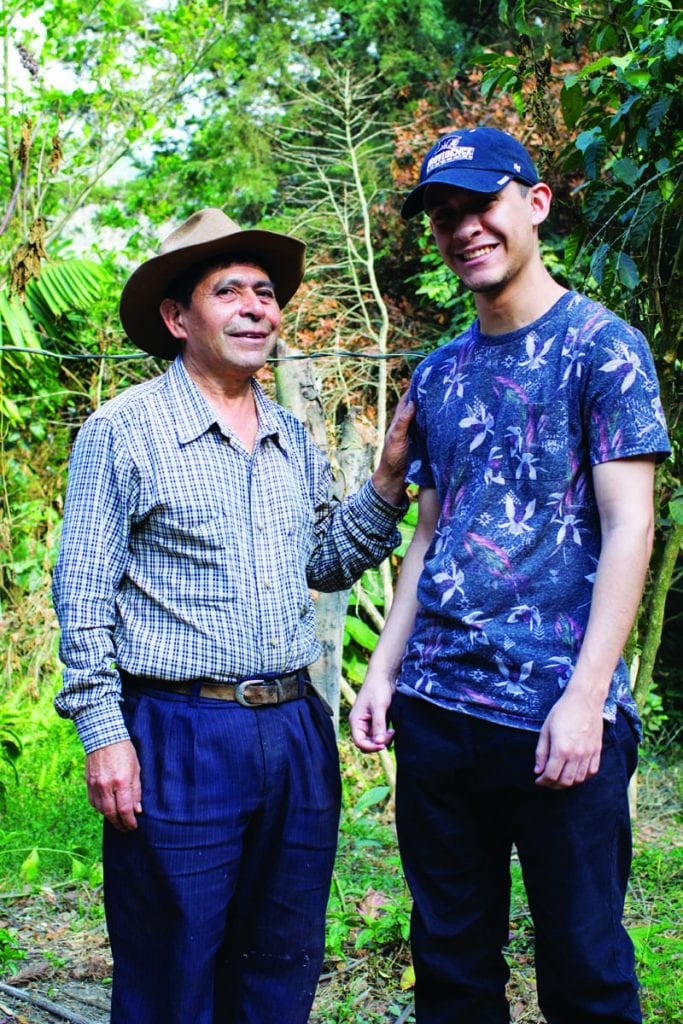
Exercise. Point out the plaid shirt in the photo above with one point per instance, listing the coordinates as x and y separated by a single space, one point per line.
184 556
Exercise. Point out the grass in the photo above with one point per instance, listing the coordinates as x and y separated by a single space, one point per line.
368 975
50 842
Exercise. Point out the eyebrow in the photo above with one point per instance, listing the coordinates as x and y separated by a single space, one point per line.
241 283
474 199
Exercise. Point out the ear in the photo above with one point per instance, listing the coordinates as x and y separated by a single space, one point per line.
540 197
172 315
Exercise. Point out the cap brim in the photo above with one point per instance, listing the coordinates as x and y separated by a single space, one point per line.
456 177
280 255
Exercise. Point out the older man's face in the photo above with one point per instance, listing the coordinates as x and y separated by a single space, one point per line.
231 325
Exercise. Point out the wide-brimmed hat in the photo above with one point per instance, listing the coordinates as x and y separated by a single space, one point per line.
480 159
207 233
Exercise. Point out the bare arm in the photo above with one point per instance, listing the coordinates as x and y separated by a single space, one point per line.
570 743
368 716
113 777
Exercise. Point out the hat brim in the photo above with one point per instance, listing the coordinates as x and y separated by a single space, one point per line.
281 256
457 177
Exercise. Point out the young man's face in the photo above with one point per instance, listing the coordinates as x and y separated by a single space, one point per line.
487 239
231 324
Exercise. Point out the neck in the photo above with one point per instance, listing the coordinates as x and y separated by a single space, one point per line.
519 302
232 401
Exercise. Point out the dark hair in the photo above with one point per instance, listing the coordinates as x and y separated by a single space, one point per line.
182 287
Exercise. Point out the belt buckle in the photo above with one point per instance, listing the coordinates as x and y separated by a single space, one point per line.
242 698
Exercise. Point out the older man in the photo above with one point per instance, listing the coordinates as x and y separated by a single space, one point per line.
197 516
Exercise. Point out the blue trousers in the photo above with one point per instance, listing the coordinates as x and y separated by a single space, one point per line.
465 795
216 904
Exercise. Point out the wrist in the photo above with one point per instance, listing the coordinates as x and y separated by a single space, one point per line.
390 487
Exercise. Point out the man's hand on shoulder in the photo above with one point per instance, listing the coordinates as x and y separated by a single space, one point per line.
368 718
389 477
112 774
570 744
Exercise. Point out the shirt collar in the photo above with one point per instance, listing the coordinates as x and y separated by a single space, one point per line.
194 415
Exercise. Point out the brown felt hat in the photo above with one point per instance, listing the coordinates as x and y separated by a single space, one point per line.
207 233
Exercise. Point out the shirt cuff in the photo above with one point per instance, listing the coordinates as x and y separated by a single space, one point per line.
101 725
373 504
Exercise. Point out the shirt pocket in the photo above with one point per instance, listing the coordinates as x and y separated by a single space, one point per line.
196 553
525 444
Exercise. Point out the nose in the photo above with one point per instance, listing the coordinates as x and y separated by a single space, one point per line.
467 225
251 305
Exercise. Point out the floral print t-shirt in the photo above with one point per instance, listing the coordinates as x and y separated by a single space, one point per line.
507 429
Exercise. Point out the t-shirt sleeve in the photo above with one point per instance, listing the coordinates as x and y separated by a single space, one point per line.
623 413
419 469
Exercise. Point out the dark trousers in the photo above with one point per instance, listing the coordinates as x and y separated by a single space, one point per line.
216 904
465 795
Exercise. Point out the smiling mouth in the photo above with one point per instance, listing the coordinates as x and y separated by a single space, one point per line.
475 254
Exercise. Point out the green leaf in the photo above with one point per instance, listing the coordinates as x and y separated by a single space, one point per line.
596 65
13 316
361 633
410 518
370 798
627 271
624 109
598 261
584 140
626 170
622 63
519 19
638 79
671 47
676 506
30 869
571 103
657 112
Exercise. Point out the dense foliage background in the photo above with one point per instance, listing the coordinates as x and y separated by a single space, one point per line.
120 117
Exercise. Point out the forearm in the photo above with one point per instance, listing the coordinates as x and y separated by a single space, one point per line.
357 534
616 595
626 545
570 743
368 717
388 655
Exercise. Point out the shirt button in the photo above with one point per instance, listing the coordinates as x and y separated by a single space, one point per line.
268 584
259 525
273 642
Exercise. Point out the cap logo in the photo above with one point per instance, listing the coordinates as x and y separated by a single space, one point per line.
517 167
450 153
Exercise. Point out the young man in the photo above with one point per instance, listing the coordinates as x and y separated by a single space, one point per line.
197 516
535 439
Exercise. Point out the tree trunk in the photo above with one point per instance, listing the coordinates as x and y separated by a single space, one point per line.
655 618
352 463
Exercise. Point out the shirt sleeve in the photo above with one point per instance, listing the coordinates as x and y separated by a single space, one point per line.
350 536
90 565
419 467
623 412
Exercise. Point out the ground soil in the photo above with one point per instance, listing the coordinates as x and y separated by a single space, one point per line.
67 963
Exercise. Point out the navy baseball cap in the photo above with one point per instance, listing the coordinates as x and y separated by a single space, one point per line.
479 159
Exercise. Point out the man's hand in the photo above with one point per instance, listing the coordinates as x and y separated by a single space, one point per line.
389 477
368 718
113 777
570 744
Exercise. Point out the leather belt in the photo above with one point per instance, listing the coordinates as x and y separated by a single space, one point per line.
248 692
